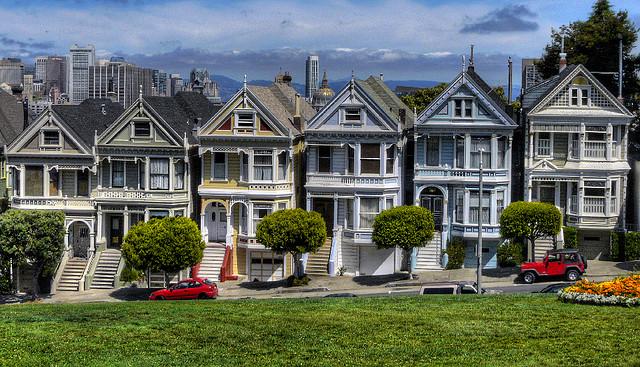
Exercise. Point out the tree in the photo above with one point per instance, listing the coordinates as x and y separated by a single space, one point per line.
33 237
531 221
168 244
594 43
421 99
405 227
294 231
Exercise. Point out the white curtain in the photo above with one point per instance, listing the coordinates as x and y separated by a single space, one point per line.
159 174
369 208
179 179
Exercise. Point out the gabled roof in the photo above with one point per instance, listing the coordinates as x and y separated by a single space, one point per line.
387 99
88 117
11 118
533 95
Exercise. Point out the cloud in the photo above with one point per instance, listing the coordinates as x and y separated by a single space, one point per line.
11 42
510 18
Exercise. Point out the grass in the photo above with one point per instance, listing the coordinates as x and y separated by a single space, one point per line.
442 330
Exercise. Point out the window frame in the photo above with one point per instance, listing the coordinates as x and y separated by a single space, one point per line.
113 174
323 159
179 173
135 129
580 96
372 159
390 160
428 158
255 214
262 153
362 214
348 112
538 147
243 125
151 175
43 138
224 168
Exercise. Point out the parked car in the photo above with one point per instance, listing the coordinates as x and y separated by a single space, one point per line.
188 289
554 288
567 263
449 288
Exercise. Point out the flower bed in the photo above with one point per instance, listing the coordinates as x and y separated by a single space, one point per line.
623 291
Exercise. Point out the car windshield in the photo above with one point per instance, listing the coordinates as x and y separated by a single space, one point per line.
439 290
181 285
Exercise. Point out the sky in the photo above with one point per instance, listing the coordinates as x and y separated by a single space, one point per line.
404 39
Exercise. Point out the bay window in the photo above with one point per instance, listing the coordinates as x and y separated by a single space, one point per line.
480 146
260 211
459 153
159 174
53 182
459 209
351 156
82 183
324 159
502 150
219 169
369 208
244 167
594 197
282 166
117 174
499 204
263 165
349 213
544 144
33 185
178 182
370 158
474 207
433 151
391 159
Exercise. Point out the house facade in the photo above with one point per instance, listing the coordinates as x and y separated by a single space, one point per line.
250 162
462 127
576 155
354 150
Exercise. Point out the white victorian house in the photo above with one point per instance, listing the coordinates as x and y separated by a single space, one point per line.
465 124
354 170
576 154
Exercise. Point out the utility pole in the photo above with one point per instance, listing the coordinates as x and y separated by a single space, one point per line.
479 247
620 68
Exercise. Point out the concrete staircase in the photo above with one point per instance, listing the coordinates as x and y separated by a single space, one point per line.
106 269
211 262
428 257
317 263
71 275
542 246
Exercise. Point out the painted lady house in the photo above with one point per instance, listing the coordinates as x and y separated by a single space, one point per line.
250 166
465 124
354 169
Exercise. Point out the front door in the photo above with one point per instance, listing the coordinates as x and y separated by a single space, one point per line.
217 223
434 204
116 231
325 208
79 239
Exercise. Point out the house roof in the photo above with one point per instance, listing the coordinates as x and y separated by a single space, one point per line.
535 94
11 118
387 100
279 99
87 117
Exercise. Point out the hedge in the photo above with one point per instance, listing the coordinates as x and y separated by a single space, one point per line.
632 246
570 237
455 251
510 253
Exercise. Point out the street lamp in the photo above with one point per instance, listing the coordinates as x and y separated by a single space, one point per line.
479 246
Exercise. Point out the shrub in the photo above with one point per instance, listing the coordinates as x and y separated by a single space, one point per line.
510 253
455 251
617 239
570 237
129 275
530 220
294 281
295 231
632 246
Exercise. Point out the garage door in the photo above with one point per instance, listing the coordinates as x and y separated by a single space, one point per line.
266 266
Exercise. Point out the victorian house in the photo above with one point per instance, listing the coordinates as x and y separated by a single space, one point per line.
250 167
354 169
464 127
576 155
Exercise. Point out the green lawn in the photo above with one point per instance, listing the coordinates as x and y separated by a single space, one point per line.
401 331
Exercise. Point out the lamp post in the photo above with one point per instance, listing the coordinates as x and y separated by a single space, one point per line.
479 246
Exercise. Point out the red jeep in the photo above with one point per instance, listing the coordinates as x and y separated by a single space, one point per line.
568 263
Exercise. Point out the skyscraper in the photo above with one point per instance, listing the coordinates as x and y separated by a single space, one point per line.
11 71
312 76
81 59
119 80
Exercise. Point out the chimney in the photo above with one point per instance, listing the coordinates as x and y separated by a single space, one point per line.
563 55
510 84
196 126
403 117
381 77
297 118
471 66
103 109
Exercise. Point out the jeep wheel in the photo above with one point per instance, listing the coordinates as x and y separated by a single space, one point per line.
573 275
529 277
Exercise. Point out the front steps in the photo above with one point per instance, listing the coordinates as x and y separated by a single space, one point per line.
106 269
317 264
71 275
542 246
428 257
211 263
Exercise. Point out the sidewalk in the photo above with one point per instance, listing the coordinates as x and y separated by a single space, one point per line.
360 285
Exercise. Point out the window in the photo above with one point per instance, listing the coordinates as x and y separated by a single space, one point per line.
480 146
389 203
263 165
324 159
178 182
53 183
463 107
158 213
391 159
33 185
244 167
117 174
243 220
351 154
141 129
574 97
474 207
499 204
544 144
260 211
135 218
282 166
459 206
458 108
580 97
141 176
369 208
82 183
467 108
594 188
349 213
219 166
159 174
433 150
352 115
370 158
502 148
459 153
282 205
51 137
245 120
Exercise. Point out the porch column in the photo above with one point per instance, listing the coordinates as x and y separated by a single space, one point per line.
146 214
529 187
494 151
146 177
556 192
609 138
530 146
171 173
66 238
92 243
581 140
22 178
100 224
308 202
607 195
356 160
45 178
229 237
467 198
335 211
467 150
203 225
580 196
493 209
126 220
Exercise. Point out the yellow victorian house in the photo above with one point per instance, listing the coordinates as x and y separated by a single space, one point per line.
250 168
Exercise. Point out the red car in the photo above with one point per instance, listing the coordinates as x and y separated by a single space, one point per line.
568 263
188 289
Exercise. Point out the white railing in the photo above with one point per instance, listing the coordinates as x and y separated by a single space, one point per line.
52 202
459 172
105 193
594 205
270 186
349 180
595 149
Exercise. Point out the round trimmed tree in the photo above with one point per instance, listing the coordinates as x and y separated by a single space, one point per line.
167 244
405 227
531 221
295 231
